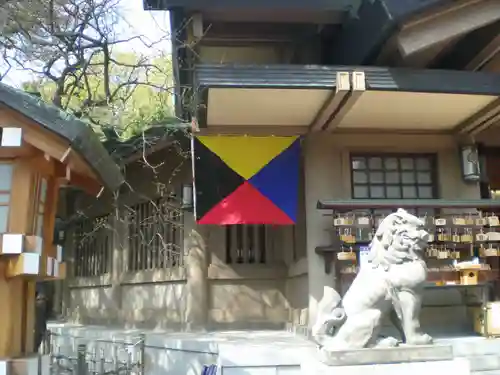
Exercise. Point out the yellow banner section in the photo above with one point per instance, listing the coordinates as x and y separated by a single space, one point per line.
246 155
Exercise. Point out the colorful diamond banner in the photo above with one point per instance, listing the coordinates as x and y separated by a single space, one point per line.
246 180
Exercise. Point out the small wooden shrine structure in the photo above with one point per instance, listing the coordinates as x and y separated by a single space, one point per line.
41 149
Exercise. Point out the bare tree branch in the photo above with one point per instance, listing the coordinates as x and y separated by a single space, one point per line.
74 45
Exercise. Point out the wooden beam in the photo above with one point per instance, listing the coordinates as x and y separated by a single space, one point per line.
46 142
49 216
30 301
358 84
487 54
21 196
486 125
436 13
41 165
370 204
65 155
88 184
430 56
481 118
11 293
278 130
467 47
343 87
17 152
52 168
34 134
492 65
455 21
387 52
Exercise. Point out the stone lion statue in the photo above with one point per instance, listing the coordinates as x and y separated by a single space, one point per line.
391 283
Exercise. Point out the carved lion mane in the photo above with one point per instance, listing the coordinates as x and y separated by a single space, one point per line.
400 237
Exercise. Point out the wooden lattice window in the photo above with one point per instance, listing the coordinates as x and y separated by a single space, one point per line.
93 247
155 235
6 170
41 186
247 244
390 176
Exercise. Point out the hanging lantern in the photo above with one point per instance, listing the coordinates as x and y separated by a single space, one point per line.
187 196
469 158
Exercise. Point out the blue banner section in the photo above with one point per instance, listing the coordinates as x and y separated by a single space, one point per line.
209 370
279 180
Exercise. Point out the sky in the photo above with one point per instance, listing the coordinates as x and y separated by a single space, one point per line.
152 25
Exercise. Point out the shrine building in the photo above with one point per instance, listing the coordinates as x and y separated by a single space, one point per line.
303 117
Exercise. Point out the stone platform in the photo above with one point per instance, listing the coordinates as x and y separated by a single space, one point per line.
458 366
245 352
401 354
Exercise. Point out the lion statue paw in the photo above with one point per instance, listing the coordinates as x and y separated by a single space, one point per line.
419 339
386 342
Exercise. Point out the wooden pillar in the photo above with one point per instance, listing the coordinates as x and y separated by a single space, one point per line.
69 251
17 294
27 252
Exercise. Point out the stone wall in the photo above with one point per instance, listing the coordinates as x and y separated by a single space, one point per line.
148 298
328 176
212 293
206 292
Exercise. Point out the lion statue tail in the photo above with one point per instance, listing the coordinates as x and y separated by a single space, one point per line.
330 316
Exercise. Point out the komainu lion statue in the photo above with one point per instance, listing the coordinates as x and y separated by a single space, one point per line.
390 283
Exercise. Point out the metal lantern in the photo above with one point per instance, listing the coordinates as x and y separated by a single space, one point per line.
469 159
187 196
59 232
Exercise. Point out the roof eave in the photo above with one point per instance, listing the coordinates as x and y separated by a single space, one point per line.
317 77
78 134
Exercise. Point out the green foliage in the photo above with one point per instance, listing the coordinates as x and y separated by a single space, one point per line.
72 46
26 15
140 94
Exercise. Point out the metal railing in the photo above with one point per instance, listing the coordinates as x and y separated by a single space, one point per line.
84 356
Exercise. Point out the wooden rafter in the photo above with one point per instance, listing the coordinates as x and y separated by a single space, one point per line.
358 88
447 24
331 105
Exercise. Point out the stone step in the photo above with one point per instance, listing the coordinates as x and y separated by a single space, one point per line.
261 370
457 366
484 363
477 347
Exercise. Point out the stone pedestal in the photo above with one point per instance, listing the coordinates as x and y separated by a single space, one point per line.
428 360
401 354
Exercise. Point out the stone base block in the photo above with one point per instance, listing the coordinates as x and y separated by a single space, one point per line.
379 356
457 366
32 365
